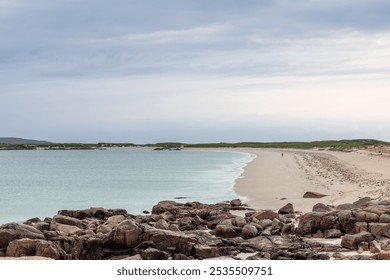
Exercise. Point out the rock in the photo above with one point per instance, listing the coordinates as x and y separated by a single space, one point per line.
65 229
361 226
236 202
42 226
136 257
361 202
384 218
265 215
162 224
313 195
187 223
78 214
239 221
226 231
202 251
166 206
12 231
287 209
320 207
329 221
68 221
309 223
249 231
363 246
352 241
381 256
332 233
345 206
347 221
265 223
152 254
33 247
103 229
128 233
380 229
115 220
181 257
364 216
163 239
375 247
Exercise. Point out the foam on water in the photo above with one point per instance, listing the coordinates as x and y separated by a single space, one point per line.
39 183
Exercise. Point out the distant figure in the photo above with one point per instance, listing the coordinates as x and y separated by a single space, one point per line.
282 154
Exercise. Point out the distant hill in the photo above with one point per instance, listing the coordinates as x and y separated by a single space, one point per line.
21 141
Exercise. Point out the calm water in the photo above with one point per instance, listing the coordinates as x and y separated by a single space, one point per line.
39 183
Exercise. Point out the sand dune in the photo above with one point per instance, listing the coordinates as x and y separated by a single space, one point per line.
272 180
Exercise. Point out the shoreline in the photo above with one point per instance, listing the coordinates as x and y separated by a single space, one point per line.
271 180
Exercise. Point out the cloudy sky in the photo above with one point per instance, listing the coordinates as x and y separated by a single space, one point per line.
194 70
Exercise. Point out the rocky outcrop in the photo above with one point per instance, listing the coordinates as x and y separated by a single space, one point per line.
194 230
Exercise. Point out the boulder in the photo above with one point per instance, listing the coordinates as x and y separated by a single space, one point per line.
384 218
162 224
352 241
203 251
236 202
65 229
320 207
163 239
332 233
287 209
265 215
33 247
166 206
65 220
128 233
381 256
361 202
375 247
152 254
347 221
115 220
309 223
364 216
78 214
380 229
329 221
227 231
361 226
249 231
239 221
345 206
12 231
313 195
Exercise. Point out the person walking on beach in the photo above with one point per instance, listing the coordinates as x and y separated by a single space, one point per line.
282 154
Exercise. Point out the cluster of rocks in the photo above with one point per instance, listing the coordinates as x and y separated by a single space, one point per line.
360 230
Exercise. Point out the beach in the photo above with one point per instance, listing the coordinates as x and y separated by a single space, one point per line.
277 177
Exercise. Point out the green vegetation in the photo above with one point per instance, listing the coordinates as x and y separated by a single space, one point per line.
339 145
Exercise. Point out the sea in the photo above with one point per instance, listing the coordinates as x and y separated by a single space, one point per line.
38 183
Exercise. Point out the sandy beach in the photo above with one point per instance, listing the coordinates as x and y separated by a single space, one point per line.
272 180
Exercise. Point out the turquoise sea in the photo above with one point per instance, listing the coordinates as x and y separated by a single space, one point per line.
38 183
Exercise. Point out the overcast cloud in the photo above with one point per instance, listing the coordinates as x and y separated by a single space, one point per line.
194 71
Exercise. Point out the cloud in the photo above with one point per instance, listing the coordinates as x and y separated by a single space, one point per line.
184 68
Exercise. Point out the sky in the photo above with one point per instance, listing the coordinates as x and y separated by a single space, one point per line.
194 71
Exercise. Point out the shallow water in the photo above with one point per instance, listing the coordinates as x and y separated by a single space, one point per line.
39 183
